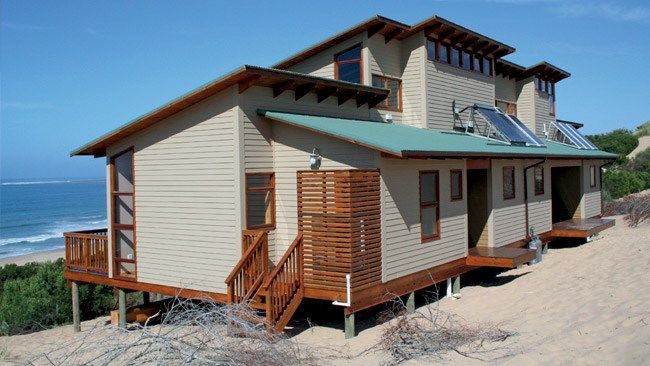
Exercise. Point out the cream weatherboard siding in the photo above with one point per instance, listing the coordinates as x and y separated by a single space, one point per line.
508 222
260 155
403 252
322 64
384 59
543 116
187 230
526 102
445 84
414 81
505 89
590 205
539 206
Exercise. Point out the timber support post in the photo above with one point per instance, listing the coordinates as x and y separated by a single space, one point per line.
349 326
456 287
545 248
122 308
145 297
76 315
410 303
449 291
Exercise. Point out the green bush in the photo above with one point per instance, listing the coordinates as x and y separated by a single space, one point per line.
620 142
36 296
618 182
641 162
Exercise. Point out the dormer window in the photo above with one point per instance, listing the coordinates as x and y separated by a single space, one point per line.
547 87
394 100
347 65
446 54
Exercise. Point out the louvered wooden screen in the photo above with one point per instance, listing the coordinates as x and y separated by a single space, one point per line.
339 216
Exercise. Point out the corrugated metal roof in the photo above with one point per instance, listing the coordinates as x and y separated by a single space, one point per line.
407 141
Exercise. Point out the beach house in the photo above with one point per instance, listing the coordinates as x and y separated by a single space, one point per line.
384 159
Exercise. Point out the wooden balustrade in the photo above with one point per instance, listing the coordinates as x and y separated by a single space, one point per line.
87 251
249 273
284 287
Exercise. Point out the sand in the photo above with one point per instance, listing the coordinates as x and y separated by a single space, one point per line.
588 304
644 143
50 255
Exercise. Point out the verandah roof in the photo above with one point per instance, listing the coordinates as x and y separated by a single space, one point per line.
406 141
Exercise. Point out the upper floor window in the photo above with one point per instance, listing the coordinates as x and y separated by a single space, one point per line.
592 176
394 100
347 65
508 182
456 183
260 200
547 87
429 205
444 53
539 180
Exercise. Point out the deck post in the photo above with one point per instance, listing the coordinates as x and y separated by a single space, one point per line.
76 315
122 308
410 303
349 326
456 287
145 297
449 291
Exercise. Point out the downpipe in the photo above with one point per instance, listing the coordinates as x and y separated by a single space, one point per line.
347 303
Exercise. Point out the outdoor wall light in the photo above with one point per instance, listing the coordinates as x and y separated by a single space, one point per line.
315 159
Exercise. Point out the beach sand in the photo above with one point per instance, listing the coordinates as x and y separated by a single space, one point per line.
587 304
50 255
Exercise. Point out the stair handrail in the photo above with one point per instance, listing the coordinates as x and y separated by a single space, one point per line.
282 261
258 240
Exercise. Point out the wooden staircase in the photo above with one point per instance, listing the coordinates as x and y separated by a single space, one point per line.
278 292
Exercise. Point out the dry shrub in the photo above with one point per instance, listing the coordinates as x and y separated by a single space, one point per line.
190 332
431 334
636 208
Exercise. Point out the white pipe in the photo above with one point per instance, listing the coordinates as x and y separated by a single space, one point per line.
449 290
347 293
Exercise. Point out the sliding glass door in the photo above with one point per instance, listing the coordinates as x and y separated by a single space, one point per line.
123 215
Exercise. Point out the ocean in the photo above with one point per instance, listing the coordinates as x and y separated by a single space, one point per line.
34 214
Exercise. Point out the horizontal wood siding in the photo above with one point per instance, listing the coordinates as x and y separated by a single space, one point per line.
413 81
445 84
403 252
385 59
542 113
505 89
186 227
526 102
508 216
591 200
322 64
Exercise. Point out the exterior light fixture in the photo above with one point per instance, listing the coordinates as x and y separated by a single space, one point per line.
315 159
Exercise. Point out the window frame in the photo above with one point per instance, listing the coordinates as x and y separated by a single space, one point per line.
115 227
270 188
538 192
437 45
509 105
430 237
592 176
459 197
359 60
514 182
385 106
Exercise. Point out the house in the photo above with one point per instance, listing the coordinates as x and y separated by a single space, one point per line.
384 159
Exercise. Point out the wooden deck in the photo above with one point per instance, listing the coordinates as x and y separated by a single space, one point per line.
503 257
581 228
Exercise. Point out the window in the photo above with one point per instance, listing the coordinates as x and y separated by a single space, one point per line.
539 180
347 65
394 100
455 57
507 107
551 99
508 182
592 176
260 200
456 182
478 62
123 215
467 61
443 53
429 205
432 50
487 67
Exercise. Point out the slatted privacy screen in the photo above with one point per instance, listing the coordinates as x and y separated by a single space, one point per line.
339 216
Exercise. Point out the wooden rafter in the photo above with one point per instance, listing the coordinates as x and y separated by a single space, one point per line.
281 87
488 51
444 35
458 38
392 34
345 95
362 98
325 93
480 46
248 82
303 90
376 100
432 29
469 42
372 30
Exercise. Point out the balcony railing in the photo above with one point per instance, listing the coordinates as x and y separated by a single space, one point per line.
87 251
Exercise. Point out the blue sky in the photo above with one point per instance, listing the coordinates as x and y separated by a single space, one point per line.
73 70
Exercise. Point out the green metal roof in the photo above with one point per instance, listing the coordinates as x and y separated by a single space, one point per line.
407 141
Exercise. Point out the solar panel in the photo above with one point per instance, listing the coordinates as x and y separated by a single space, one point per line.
522 125
515 131
574 137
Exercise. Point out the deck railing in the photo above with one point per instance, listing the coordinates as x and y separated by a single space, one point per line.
249 273
284 287
87 251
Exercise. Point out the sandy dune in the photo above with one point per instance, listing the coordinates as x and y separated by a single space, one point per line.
644 143
50 255
588 304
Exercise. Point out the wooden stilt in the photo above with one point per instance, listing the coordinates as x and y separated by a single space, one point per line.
410 303
449 291
145 298
456 286
122 308
349 326
76 315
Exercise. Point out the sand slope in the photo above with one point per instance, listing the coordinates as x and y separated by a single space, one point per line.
644 143
582 305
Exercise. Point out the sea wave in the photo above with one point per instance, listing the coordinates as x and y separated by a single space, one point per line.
56 232
25 183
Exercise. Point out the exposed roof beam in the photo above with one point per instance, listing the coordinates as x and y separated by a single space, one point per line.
392 34
468 43
344 96
325 93
248 82
487 52
376 100
500 53
478 47
432 29
362 98
303 90
458 38
444 35
372 30
281 87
